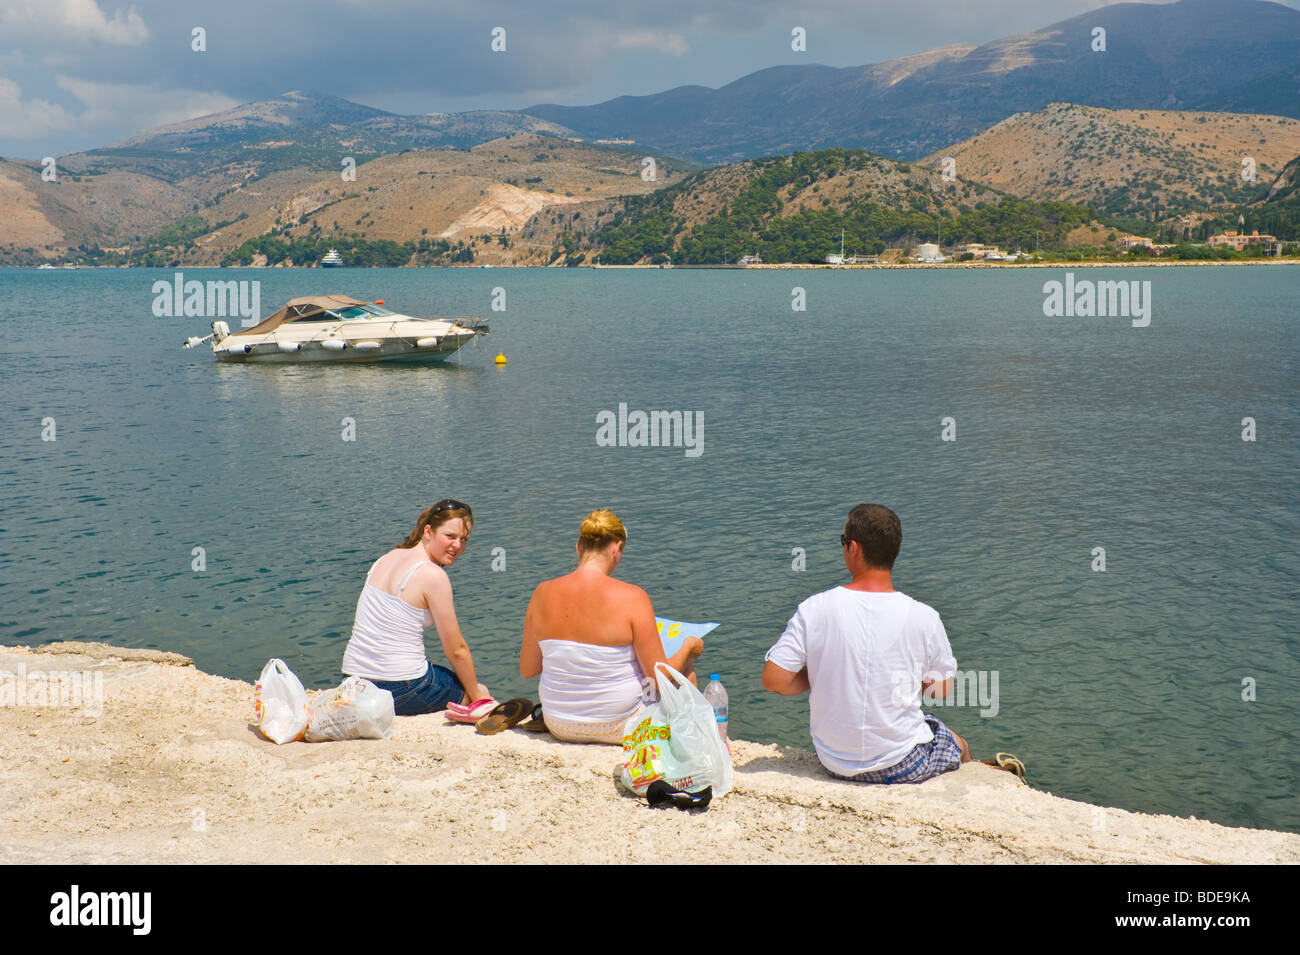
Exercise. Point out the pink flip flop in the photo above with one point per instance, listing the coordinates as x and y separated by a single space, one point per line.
459 713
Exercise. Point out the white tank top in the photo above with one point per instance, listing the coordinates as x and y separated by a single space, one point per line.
584 683
387 635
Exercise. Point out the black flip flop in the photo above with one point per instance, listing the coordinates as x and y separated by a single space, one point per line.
536 724
505 715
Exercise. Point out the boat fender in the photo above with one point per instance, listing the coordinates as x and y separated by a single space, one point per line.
240 349
289 346
431 342
333 344
367 346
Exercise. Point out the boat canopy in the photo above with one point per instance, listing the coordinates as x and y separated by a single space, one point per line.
301 309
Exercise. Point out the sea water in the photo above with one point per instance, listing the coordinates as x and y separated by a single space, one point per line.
1104 515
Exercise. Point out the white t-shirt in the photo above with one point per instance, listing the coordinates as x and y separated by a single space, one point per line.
866 655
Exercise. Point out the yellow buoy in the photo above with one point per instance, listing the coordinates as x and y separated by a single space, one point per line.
501 358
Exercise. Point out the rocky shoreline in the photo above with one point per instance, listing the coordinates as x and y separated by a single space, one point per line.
158 762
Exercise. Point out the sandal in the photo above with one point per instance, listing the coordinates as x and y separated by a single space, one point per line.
1009 763
459 713
505 715
536 724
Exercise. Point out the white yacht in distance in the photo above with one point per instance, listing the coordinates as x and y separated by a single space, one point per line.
335 328
331 259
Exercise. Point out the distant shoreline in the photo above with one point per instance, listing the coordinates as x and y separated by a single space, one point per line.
775 266
881 266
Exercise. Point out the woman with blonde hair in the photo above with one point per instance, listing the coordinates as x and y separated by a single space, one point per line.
593 640
407 590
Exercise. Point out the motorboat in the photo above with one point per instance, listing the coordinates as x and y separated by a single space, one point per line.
336 328
331 259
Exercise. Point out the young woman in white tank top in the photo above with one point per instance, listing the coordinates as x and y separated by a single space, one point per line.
406 591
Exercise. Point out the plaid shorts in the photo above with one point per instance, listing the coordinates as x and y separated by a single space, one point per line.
940 755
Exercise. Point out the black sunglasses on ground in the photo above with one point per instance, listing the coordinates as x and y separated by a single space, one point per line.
661 796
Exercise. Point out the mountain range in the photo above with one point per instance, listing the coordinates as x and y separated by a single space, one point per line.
1238 56
1153 127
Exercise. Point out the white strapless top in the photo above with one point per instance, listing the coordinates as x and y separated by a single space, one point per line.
584 683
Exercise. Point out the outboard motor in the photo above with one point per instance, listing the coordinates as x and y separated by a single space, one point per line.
222 330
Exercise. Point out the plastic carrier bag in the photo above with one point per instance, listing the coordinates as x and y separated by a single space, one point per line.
280 703
676 740
355 709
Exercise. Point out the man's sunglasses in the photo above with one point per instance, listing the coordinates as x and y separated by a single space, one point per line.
844 540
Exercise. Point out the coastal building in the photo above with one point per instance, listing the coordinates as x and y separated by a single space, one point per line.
750 260
1131 242
929 252
1239 240
979 251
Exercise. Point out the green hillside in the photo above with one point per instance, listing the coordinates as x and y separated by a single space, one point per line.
775 214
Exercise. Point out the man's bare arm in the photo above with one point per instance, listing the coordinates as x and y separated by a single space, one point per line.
935 690
779 680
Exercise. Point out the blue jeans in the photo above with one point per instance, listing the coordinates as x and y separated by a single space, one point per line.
428 694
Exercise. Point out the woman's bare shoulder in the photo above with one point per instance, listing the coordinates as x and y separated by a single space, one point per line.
383 567
628 592
431 573
398 563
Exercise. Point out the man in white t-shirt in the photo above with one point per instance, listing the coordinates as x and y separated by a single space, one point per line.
864 652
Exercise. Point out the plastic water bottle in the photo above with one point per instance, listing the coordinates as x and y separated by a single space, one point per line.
717 697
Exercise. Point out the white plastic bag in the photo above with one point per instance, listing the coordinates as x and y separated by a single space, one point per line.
280 703
676 740
356 709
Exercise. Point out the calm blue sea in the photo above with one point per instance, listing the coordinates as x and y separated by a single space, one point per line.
1123 687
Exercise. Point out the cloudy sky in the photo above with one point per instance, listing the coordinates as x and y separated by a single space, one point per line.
81 73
